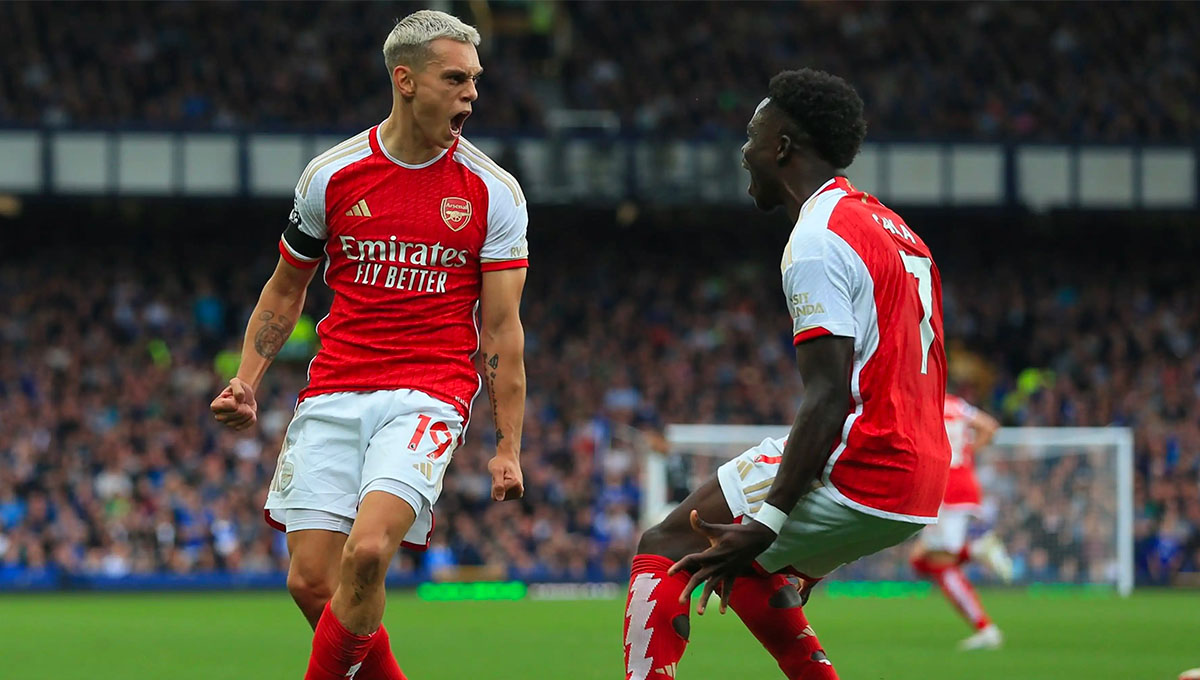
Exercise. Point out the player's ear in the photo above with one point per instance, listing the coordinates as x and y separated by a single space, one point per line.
402 80
785 148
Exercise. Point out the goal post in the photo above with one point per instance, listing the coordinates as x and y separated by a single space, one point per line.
1060 497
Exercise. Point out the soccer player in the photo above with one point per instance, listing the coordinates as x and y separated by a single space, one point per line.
864 466
943 548
418 229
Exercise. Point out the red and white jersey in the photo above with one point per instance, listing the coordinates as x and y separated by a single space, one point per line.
405 248
852 268
962 488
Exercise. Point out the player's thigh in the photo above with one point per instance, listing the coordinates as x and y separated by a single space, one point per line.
384 519
674 537
949 533
314 554
314 558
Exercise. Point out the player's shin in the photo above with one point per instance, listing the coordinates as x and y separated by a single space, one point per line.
770 607
956 588
656 624
962 594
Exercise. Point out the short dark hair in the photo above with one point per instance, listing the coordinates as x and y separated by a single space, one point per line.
826 109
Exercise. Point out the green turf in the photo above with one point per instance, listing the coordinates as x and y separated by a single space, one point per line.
260 636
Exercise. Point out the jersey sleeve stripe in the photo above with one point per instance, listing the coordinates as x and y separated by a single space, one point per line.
497 265
322 162
312 166
486 164
473 152
810 334
295 259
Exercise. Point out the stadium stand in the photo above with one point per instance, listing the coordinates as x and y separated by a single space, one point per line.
1053 71
110 463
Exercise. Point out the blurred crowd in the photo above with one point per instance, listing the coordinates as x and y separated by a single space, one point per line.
974 70
110 463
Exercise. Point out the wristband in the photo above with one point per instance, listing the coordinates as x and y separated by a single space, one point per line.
771 516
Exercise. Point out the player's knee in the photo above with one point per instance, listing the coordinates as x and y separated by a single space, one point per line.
309 593
655 541
368 558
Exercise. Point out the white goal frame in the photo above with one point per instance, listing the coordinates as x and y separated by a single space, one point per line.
654 469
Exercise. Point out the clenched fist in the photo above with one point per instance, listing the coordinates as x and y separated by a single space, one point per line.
235 405
507 482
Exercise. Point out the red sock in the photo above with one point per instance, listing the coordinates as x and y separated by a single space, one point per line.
337 653
380 663
656 625
770 608
957 589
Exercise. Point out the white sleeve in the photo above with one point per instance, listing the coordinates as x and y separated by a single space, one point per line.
311 211
819 286
969 412
505 246
303 241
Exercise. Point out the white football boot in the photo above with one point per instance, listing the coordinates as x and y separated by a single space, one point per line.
989 551
988 638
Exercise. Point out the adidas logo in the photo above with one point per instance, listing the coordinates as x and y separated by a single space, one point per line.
668 670
360 209
425 469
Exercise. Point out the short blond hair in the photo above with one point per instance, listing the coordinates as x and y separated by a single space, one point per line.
408 43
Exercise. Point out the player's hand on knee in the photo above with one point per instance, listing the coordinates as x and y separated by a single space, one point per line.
507 481
235 406
733 548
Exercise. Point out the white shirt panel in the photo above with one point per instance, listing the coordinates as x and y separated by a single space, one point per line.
508 215
822 274
310 190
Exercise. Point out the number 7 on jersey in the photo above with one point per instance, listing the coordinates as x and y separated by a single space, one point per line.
921 268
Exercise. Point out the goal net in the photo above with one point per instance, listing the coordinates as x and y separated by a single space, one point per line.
1061 499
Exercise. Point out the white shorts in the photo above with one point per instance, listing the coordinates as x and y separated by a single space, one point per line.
950 532
341 446
820 534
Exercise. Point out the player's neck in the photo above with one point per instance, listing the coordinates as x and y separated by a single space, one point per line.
799 187
404 141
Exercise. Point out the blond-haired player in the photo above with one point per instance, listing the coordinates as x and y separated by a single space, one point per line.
418 230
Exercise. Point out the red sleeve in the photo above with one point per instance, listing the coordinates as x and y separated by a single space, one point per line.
809 334
497 265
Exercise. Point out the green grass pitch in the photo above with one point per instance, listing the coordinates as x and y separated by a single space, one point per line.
1151 636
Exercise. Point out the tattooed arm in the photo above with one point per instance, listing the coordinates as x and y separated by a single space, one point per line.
270 325
503 344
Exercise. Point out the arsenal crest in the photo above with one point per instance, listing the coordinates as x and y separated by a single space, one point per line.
456 212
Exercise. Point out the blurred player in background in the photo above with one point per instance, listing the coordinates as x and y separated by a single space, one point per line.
943 547
864 466
419 230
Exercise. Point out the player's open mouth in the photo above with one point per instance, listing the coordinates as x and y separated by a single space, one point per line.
457 122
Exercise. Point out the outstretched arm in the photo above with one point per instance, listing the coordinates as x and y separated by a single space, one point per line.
271 323
983 427
503 345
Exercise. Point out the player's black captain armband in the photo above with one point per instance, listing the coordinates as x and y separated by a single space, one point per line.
300 242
